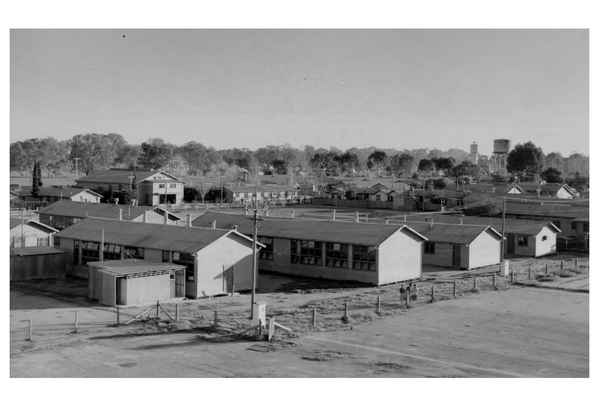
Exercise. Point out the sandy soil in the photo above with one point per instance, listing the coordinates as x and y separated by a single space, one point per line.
517 332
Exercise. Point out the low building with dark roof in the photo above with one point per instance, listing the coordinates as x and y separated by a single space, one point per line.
523 237
216 261
52 194
459 246
65 213
370 253
147 187
32 263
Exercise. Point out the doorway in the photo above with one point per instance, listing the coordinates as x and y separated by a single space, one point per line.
457 256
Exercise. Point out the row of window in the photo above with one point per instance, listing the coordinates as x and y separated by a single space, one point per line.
90 251
307 252
170 185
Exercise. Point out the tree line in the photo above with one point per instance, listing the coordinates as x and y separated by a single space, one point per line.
100 151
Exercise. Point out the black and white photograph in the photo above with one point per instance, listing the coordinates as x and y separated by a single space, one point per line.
299 203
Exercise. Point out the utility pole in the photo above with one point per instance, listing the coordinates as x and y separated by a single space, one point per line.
76 167
503 230
254 262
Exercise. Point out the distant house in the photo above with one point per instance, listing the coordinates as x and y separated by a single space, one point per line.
65 213
370 253
523 237
30 233
571 220
215 261
264 193
550 190
54 193
459 246
150 188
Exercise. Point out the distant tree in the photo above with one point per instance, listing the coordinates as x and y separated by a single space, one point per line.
402 164
155 153
279 166
324 162
377 161
551 175
218 195
443 164
191 194
348 162
36 181
525 159
439 183
96 151
465 169
426 165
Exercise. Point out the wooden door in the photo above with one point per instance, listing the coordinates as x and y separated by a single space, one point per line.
457 256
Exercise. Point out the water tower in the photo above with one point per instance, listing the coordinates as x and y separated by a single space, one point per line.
498 161
473 157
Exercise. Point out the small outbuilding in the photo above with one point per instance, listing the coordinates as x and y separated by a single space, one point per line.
135 282
30 233
36 263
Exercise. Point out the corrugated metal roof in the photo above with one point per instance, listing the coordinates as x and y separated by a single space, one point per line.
301 229
134 267
69 208
516 226
145 235
15 222
452 233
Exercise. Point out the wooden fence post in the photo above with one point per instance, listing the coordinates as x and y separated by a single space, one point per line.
157 309
346 313
561 265
546 269
29 331
576 263
176 311
215 323
76 321
314 317
455 289
474 288
494 281
271 328
529 272
118 315
378 304
432 292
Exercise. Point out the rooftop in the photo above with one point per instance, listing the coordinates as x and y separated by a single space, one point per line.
35 251
135 267
55 191
301 229
68 208
452 233
144 235
15 222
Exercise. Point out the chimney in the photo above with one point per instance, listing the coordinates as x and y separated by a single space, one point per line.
120 214
188 220
214 225
165 216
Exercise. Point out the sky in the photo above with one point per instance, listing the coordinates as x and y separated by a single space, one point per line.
344 88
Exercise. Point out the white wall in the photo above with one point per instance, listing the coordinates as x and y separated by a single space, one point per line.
399 258
147 290
484 250
547 246
221 255
30 234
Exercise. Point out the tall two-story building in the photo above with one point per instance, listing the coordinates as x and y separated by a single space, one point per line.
151 188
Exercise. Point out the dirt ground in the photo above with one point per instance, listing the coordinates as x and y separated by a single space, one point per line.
507 333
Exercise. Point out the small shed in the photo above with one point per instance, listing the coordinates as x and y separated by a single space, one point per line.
36 263
134 281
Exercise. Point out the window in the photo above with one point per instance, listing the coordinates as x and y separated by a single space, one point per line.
166 256
57 242
90 251
364 257
429 247
112 251
266 252
172 185
306 252
585 227
183 258
522 241
544 238
337 255
378 198
134 252
573 226
161 186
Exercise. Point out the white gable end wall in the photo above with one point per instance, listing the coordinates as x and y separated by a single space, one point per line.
399 258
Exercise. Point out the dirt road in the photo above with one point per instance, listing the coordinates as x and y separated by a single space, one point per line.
519 332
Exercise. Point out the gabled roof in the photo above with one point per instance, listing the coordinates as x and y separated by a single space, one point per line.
515 226
146 235
452 233
15 222
69 208
135 267
545 210
260 188
55 191
301 229
120 176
